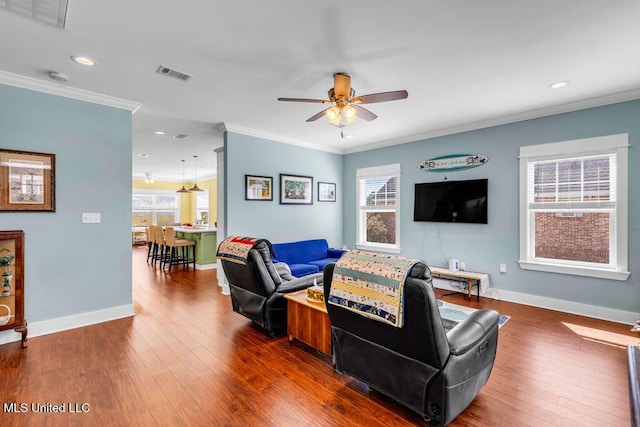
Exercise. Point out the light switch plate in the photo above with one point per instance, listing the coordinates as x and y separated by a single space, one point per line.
503 268
90 218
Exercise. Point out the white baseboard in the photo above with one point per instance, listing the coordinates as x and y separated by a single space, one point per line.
69 322
206 266
597 312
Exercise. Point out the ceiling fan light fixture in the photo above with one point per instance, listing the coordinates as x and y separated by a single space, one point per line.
333 115
346 107
341 116
350 113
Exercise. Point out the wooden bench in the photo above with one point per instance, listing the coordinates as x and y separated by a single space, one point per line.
469 277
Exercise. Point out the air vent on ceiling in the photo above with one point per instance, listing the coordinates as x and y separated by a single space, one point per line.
52 12
180 136
170 72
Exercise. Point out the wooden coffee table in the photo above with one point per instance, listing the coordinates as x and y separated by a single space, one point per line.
308 321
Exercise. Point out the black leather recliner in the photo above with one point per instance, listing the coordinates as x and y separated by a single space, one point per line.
435 368
258 288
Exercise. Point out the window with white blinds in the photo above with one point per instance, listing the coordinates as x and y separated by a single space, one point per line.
378 219
576 182
573 207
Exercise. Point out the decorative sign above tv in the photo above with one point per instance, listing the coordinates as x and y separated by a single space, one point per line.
453 162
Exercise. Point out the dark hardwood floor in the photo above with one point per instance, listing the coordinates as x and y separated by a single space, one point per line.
187 359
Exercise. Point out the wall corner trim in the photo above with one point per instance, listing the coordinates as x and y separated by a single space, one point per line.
243 130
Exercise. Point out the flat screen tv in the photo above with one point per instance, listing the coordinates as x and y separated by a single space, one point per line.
451 201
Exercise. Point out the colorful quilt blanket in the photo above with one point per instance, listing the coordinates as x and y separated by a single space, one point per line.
236 248
371 284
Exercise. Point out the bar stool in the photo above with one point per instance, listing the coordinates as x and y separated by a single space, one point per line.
147 231
172 245
155 232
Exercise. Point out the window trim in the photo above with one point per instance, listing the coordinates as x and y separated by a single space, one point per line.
370 172
617 144
203 193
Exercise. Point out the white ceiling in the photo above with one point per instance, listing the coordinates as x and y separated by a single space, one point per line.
466 64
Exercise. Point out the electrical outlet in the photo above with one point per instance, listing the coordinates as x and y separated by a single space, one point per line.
90 218
463 266
503 268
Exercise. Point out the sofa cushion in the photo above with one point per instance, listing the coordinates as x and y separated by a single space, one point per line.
301 252
299 270
322 263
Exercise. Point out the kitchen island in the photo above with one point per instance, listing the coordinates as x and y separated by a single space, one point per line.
206 244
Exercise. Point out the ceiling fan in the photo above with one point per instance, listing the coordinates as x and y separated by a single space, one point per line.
345 105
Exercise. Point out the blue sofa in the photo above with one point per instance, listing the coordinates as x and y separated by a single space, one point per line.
307 256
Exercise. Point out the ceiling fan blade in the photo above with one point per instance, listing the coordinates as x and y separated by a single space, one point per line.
364 114
380 97
317 116
316 101
342 85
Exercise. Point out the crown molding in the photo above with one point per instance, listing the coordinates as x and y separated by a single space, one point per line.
497 121
504 120
66 91
243 130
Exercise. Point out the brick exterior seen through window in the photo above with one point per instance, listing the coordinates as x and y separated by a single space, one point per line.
581 238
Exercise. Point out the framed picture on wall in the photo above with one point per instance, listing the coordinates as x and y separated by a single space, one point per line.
27 181
258 187
326 192
296 190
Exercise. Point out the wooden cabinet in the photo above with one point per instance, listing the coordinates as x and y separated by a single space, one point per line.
12 283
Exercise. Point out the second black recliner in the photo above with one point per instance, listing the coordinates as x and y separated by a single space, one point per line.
435 368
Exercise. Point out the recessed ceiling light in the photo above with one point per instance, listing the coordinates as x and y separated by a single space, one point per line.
558 85
143 155
348 135
83 60
159 132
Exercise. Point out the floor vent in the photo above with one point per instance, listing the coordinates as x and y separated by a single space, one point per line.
170 72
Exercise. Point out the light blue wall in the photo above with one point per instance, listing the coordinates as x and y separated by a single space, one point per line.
484 247
247 155
73 268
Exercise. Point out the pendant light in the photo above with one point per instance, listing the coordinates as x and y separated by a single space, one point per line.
195 175
183 189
